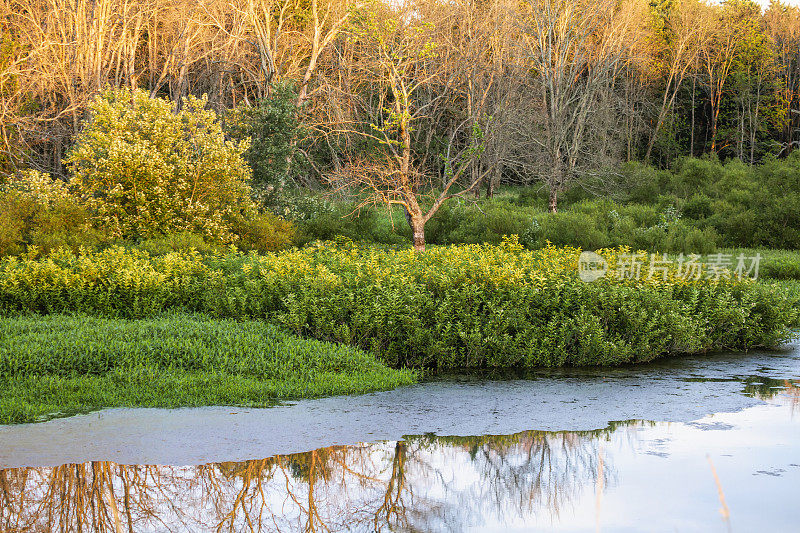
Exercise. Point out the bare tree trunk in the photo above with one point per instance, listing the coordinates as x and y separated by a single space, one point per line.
714 116
740 148
416 221
492 180
691 141
418 230
754 125
552 204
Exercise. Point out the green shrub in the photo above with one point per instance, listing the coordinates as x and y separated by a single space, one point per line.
736 224
113 282
146 170
465 223
641 183
501 221
460 306
271 125
774 264
698 207
782 268
177 242
530 196
693 175
38 211
776 202
449 219
12 220
353 223
593 224
264 233
297 206
646 216
567 229
688 240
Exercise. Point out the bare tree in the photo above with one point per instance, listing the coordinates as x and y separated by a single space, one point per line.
577 49
782 24
399 56
677 47
717 55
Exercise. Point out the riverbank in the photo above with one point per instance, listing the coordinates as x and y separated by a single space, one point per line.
679 389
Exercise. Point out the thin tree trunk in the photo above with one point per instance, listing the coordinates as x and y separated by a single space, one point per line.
691 142
714 116
754 126
552 204
418 229
741 131
492 180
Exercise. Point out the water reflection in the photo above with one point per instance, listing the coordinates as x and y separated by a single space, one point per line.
422 483
793 391
767 388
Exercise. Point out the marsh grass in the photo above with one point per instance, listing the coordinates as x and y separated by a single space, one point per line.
59 365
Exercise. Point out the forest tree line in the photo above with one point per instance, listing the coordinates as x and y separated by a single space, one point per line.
405 94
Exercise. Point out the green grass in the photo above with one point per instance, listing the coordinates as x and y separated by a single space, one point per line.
59 365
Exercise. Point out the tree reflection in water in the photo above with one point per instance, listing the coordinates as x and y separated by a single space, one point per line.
793 390
767 388
423 483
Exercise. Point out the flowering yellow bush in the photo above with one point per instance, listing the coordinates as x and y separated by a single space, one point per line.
38 211
145 169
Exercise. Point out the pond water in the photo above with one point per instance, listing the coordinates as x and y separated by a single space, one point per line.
689 444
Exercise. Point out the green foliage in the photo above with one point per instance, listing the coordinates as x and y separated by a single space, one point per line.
38 211
465 223
177 242
698 207
642 183
146 170
272 126
298 206
451 307
264 233
593 224
776 201
454 223
353 223
566 228
689 240
56 365
730 204
774 264
783 268
113 282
